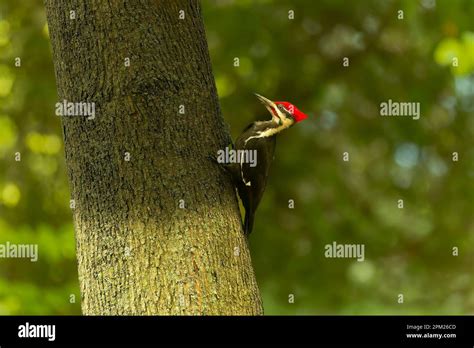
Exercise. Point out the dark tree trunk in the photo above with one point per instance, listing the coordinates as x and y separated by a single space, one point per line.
138 250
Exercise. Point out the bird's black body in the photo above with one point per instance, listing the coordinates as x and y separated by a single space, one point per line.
251 181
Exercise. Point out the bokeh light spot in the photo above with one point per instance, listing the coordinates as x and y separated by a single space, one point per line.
10 195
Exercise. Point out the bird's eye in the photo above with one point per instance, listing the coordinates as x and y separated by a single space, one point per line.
281 107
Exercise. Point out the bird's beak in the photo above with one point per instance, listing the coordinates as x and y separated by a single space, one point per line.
271 107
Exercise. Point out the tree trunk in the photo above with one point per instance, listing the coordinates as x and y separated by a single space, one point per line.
157 223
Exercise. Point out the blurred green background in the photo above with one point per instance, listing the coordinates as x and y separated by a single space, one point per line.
407 251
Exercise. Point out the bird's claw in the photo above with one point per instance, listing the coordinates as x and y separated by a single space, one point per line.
213 158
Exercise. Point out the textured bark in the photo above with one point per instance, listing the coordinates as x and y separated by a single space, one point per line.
138 252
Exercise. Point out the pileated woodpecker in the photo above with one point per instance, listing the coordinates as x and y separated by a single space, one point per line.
260 139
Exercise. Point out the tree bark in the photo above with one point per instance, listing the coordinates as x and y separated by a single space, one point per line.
139 251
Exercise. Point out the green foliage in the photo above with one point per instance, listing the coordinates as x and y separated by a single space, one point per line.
34 193
459 54
407 251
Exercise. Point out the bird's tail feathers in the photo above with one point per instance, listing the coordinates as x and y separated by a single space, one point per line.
248 224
